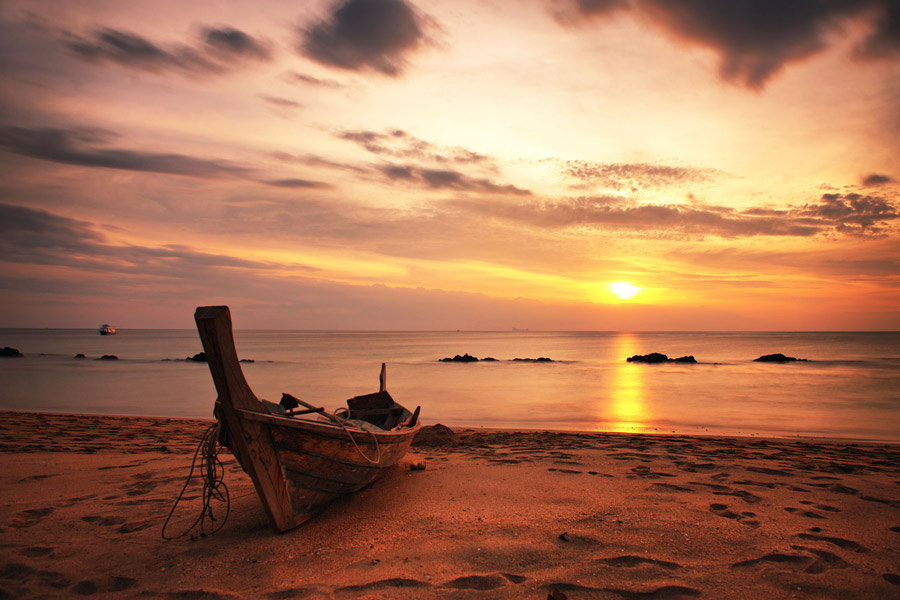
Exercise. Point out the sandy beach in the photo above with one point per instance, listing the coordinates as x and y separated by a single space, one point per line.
495 514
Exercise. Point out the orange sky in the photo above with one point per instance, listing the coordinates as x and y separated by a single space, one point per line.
388 164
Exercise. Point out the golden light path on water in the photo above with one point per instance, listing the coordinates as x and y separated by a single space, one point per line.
626 408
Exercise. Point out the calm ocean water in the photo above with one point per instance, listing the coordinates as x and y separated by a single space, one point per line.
849 389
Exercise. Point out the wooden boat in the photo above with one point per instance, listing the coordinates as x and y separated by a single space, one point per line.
300 464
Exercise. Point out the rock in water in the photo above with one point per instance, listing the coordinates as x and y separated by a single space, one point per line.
656 358
8 352
778 358
464 358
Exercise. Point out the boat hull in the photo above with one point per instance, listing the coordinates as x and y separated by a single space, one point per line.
300 464
320 461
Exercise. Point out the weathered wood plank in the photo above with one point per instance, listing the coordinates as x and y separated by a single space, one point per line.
251 438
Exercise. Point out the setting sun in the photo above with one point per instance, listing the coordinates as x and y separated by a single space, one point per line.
624 290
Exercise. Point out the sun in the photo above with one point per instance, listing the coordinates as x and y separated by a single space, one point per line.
624 290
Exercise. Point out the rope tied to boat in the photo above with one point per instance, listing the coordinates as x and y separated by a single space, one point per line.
212 474
342 420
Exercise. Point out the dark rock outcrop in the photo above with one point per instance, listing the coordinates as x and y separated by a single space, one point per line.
463 359
79 355
779 358
199 357
539 359
108 357
8 352
435 435
656 358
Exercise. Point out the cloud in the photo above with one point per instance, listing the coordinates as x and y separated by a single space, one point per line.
314 160
221 49
27 232
755 39
853 213
79 147
448 179
280 102
365 34
297 77
874 179
233 42
397 143
297 183
884 41
36 236
850 214
634 176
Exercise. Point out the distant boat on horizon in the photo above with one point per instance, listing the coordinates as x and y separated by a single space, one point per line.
107 329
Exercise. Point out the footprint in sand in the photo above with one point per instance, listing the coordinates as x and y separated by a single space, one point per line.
103 521
637 561
745 518
819 562
36 551
646 473
30 517
805 513
396 582
668 592
824 507
839 542
484 582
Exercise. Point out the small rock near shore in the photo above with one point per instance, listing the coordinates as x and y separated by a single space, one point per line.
8 352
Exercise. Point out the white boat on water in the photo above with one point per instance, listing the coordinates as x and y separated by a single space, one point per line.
107 329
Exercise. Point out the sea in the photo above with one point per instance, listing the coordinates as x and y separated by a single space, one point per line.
849 387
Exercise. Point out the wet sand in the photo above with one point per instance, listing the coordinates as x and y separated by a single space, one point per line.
498 514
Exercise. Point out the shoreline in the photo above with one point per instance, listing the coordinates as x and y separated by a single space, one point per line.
495 514
774 437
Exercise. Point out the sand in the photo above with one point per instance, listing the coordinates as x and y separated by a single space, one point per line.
500 514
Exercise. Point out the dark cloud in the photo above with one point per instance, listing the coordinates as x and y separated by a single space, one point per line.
884 41
874 179
449 179
755 39
297 183
849 214
220 50
634 176
25 231
231 41
852 213
36 236
365 34
79 147
280 102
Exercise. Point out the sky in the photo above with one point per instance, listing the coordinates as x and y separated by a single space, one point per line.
400 164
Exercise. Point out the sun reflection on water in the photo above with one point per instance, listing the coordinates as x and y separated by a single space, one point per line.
627 410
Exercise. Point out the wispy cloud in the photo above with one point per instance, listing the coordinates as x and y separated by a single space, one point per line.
850 214
449 179
303 78
365 34
219 50
83 146
636 176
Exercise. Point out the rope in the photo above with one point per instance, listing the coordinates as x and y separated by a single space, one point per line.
342 420
212 473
